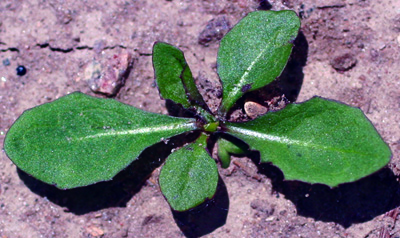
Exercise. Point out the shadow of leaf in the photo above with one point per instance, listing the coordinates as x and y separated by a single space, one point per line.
207 217
113 193
347 204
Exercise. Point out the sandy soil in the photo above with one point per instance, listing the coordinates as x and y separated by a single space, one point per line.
348 50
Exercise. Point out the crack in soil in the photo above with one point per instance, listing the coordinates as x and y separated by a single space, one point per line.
13 49
67 50
84 47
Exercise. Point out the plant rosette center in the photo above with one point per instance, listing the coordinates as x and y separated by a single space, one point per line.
211 127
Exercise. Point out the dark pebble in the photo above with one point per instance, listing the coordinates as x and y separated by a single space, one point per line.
21 70
264 5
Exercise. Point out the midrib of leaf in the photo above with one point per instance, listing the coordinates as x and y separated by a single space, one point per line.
242 79
288 141
186 182
143 130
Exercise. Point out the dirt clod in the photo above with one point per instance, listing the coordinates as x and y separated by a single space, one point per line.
151 219
262 206
343 62
214 30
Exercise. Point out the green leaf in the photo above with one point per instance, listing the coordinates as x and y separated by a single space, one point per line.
173 76
189 176
254 53
225 149
79 140
318 141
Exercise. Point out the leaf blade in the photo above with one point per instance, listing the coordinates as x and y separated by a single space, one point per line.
174 77
318 141
79 140
254 53
189 176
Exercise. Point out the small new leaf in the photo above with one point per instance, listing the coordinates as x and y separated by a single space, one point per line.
189 176
254 53
225 149
79 140
318 141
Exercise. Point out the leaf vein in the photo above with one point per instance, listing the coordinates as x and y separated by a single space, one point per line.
242 80
143 130
289 141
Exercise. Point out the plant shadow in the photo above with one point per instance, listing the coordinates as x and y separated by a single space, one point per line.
207 217
114 193
288 83
346 204
291 79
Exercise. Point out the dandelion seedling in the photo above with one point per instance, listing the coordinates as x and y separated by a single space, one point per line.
78 140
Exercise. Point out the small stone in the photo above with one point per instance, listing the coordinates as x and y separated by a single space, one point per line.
6 62
108 77
254 109
94 231
344 62
21 70
374 54
288 3
214 31
269 219
396 25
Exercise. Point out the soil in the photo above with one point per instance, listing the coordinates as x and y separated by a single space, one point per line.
348 50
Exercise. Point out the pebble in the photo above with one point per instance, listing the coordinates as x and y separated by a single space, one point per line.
94 231
21 70
6 62
254 109
109 76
